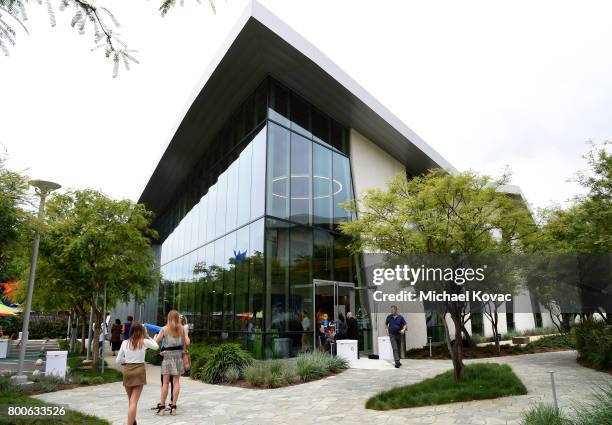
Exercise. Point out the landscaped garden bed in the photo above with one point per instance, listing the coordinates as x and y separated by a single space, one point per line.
481 381
594 345
229 364
543 345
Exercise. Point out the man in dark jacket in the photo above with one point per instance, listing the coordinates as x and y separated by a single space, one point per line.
352 331
396 327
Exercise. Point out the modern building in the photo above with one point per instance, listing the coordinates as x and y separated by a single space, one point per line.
249 193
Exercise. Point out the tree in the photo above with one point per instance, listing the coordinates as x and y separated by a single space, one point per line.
574 242
91 243
86 15
440 213
14 221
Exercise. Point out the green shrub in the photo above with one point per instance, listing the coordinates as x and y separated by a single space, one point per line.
316 364
153 357
553 341
96 380
594 343
232 374
64 344
598 411
544 414
222 358
40 327
271 374
531 332
200 354
7 385
45 384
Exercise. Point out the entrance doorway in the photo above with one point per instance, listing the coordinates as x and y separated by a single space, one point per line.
330 299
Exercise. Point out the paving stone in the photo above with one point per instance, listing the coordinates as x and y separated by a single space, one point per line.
341 399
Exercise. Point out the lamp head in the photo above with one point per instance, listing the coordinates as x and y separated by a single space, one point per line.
44 186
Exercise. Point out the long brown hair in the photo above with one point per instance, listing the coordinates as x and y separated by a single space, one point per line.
174 324
137 334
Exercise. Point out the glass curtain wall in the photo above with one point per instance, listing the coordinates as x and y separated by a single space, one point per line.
255 222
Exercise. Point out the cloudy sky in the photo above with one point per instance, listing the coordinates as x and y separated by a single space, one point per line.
521 84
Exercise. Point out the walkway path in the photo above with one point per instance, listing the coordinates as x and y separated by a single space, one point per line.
341 398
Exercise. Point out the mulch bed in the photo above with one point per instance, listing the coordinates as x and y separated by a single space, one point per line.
441 352
585 364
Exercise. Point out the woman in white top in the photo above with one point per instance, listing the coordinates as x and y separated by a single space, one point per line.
131 356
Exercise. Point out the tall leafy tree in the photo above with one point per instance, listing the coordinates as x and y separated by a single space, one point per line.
14 220
91 243
440 213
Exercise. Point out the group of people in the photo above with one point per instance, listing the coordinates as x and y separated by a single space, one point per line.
174 337
331 331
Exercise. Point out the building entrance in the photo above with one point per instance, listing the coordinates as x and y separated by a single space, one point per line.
330 300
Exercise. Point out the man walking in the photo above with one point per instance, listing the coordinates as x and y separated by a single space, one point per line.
396 327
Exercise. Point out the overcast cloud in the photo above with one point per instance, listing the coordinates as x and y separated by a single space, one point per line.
522 84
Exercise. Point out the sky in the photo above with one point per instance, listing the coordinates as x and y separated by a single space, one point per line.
489 85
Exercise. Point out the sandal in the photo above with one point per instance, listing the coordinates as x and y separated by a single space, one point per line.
173 409
161 409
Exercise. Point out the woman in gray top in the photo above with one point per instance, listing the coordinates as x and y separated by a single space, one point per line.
175 341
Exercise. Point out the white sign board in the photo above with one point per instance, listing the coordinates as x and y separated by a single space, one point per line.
385 352
56 364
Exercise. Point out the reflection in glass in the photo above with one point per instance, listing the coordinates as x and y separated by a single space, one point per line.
323 186
301 183
278 171
342 175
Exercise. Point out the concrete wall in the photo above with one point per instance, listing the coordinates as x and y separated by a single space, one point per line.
372 167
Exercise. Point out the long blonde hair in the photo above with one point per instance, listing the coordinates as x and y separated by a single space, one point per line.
173 325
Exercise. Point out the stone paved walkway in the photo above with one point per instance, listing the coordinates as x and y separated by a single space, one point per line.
340 399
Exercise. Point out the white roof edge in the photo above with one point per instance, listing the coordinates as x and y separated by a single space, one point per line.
271 21
274 23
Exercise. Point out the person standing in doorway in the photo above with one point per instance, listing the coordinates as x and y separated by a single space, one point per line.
396 327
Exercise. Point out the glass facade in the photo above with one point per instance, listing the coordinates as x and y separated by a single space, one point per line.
255 222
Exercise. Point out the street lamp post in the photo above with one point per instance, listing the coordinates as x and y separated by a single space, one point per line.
43 188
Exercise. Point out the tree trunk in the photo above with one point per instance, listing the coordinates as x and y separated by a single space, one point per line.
447 334
457 351
83 334
96 336
467 335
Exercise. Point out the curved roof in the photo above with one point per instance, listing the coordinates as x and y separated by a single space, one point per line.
259 45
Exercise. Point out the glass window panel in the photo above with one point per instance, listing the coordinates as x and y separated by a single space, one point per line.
202 221
342 260
219 269
261 102
258 177
277 279
278 171
229 280
211 213
322 255
221 204
187 225
323 186
339 137
320 126
278 109
241 298
342 178
244 184
301 182
301 284
256 287
232 197
248 116
300 115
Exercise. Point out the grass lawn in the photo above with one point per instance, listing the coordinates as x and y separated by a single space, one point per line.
16 398
481 381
